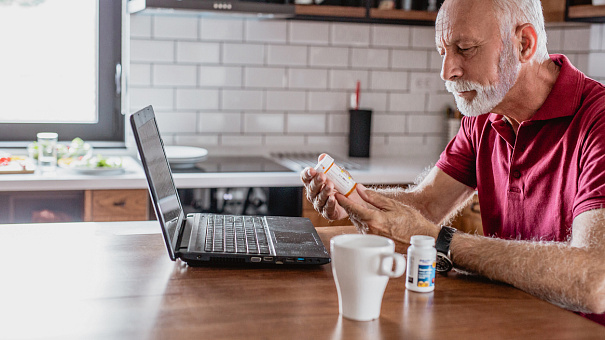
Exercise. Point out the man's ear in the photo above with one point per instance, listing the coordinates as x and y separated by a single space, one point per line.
527 40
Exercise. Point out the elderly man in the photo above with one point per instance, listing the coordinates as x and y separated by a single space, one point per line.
532 145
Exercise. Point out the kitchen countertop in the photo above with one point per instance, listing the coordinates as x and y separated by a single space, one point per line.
375 170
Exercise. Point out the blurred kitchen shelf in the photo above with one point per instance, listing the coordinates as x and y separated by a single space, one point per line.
329 11
586 13
398 14
363 14
554 11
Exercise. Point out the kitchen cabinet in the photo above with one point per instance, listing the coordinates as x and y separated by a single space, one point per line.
116 205
286 9
363 14
573 10
585 12
554 11
41 206
74 206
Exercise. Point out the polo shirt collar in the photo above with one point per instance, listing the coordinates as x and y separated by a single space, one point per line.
565 97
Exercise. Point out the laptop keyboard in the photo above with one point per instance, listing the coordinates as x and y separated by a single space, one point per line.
236 234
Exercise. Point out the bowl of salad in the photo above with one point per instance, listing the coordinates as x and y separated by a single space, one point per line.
77 148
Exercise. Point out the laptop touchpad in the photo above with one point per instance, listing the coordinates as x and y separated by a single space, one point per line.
294 237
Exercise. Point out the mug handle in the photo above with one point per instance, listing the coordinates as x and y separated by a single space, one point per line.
386 268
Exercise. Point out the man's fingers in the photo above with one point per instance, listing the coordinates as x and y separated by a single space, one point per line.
307 174
374 198
322 197
360 212
329 211
316 185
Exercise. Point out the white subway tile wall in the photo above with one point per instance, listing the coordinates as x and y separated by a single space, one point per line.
286 85
197 99
584 45
390 36
287 55
197 52
220 76
307 78
221 30
310 33
265 31
175 27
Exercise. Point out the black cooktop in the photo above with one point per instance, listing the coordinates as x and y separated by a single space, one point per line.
214 164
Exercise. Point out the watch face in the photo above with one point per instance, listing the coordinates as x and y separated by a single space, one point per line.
444 264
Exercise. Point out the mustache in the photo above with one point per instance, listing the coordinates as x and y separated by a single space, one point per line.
462 86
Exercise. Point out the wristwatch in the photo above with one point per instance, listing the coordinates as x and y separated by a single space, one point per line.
444 261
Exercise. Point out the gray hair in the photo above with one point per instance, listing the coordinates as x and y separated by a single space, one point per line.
512 13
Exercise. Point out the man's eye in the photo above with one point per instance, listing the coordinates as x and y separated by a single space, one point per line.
463 50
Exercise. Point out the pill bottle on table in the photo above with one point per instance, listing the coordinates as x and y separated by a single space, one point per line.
422 257
343 183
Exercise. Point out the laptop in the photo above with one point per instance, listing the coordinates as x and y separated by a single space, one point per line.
205 238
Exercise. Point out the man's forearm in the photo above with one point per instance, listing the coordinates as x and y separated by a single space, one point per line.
569 277
406 196
418 199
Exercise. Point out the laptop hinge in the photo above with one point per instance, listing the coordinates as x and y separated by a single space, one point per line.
198 232
183 234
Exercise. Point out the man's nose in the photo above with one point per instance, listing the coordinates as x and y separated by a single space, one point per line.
450 67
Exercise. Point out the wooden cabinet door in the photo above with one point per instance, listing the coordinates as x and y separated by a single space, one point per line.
116 205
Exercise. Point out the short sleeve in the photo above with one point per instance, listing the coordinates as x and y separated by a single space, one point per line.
458 160
591 181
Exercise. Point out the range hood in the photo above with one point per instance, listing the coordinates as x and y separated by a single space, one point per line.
256 9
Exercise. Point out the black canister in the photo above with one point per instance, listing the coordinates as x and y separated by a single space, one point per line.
360 126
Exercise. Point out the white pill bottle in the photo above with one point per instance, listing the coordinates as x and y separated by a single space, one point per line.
343 183
422 260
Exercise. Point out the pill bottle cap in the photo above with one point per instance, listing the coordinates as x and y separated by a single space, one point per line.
423 241
324 164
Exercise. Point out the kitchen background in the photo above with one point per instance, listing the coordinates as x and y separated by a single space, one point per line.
232 83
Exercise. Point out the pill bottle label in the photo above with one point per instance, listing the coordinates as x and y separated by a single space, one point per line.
426 275
343 183
420 273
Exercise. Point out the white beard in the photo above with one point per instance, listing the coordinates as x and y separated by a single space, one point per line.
488 96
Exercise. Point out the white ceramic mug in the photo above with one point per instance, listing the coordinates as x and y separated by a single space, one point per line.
362 266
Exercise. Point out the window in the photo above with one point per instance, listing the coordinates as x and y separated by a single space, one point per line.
61 70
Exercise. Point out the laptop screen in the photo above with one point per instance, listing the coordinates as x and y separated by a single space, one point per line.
161 185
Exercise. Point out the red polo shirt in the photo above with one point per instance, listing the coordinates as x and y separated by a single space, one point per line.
532 185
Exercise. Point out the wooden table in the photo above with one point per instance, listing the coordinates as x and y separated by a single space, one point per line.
115 281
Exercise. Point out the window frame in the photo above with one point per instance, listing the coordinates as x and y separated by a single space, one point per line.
109 130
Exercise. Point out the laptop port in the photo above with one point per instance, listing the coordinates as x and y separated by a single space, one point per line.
255 259
290 259
268 259
300 259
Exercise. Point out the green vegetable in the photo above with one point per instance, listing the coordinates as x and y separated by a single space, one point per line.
99 161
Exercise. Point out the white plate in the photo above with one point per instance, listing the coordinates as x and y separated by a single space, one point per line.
184 156
94 171
85 167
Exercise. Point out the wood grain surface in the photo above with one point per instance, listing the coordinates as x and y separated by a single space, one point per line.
115 281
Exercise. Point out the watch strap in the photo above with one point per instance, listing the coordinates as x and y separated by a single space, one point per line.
444 239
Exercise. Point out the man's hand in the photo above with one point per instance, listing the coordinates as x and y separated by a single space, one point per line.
320 192
386 216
